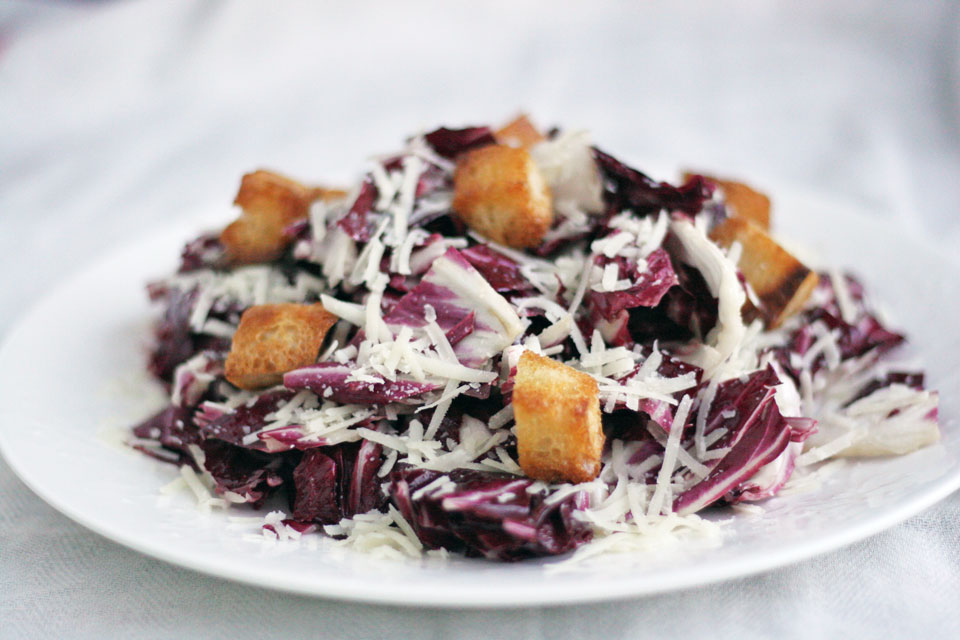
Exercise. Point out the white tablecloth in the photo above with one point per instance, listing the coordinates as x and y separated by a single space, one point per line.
115 117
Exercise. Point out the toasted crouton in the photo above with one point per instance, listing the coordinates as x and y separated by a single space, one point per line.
746 202
519 132
270 203
782 283
557 413
743 201
249 240
273 339
327 194
499 192
271 194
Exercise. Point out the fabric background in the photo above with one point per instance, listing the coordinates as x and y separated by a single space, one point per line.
115 117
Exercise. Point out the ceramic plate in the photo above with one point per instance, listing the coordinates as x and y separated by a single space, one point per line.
71 377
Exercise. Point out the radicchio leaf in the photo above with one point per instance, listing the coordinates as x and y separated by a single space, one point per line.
865 334
452 142
501 272
315 488
355 222
648 285
769 479
329 380
205 252
628 188
173 428
251 474
234 426
756 434
762 441
174 340
455 290
339 482
488 514
661 411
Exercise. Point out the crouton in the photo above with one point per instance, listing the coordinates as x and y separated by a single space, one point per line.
498 191
557 413
519 132
249 240
743 201
327 194
273 339
782 283
270 203
267 193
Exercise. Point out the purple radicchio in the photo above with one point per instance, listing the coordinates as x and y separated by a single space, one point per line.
627 188
756 434
661 411
487 514
333 483
644 287
193 379
864 333
204 252
455 290
331 381
356 222
452 142
233 427
769 479
252 475
173 428
502 273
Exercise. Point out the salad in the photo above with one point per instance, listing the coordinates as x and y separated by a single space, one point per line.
508 344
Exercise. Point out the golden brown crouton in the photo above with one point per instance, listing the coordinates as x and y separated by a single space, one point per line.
743 201
557 412
781 282
267 193
327 194
273 339
249 240
519 132
499 192
271 203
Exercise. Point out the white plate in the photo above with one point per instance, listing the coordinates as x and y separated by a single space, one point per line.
60 367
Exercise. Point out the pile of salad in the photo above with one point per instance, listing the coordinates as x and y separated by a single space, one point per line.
508 344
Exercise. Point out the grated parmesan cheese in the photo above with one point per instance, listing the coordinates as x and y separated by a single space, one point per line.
662 490
848 311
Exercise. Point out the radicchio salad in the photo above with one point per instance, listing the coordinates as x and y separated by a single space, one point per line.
511 344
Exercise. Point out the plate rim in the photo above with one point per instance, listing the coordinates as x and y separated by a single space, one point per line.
440 599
